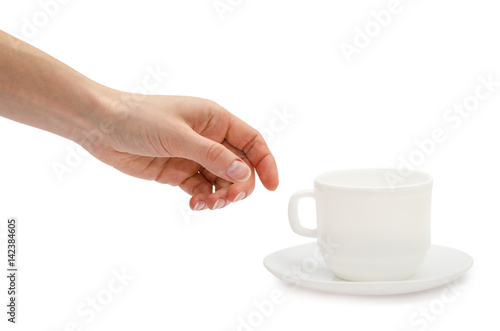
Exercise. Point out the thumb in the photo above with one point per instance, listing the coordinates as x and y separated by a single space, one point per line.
216 158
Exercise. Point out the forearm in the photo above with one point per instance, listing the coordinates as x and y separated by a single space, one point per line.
40 91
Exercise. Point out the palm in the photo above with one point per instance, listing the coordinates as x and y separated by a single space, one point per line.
167 170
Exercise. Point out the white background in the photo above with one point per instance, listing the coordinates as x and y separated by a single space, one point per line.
203 271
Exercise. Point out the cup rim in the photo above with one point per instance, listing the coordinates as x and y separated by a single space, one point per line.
426 179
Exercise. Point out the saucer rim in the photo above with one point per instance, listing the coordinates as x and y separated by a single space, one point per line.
434 282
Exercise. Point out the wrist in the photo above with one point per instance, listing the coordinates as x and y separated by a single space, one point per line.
103 110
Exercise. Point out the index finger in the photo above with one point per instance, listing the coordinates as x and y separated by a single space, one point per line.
250 141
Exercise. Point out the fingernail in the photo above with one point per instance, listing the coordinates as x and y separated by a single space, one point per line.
223 204
219 204
239 171
199 205
240 196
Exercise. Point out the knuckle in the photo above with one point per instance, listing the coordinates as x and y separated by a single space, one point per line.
171 179
214 152
213 107
258 138
209 104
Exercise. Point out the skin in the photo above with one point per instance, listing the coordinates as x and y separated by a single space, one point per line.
183 141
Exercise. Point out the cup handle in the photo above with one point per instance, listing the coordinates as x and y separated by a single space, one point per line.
293 214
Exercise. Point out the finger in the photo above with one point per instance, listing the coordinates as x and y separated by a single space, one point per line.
230 192
251 142
215 200
217 182
235 191
200 188
203 196
209 176
215 158
218 199
221 183
239 191
176 170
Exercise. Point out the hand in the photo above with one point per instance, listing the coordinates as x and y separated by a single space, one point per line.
188 142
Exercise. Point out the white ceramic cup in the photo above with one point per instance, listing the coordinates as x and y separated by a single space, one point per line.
368 227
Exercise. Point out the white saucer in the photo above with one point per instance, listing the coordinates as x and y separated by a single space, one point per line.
299 266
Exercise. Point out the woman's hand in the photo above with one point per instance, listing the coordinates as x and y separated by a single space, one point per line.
188 142
182 141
